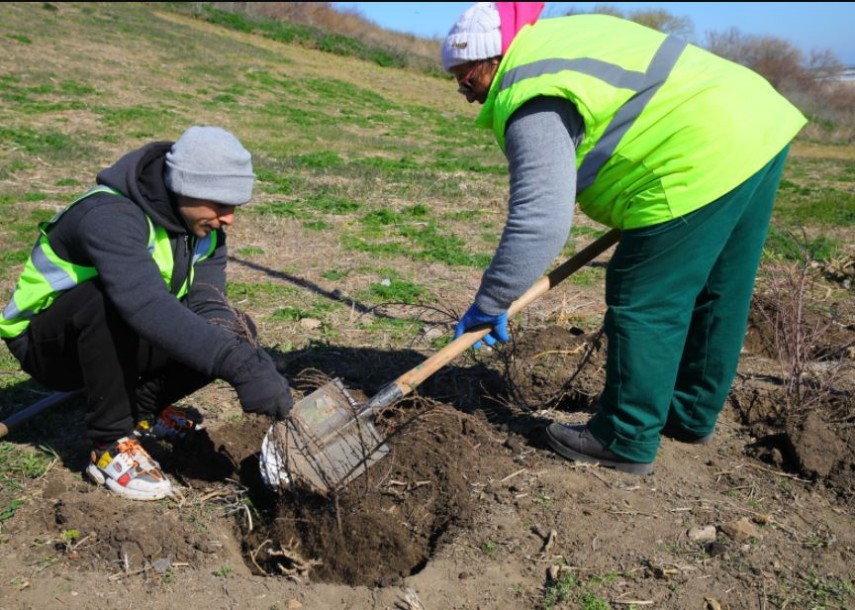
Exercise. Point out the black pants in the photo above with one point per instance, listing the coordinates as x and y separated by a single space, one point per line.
81 342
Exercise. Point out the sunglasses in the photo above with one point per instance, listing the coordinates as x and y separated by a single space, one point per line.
464 85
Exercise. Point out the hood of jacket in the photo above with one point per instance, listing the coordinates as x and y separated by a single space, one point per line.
139 176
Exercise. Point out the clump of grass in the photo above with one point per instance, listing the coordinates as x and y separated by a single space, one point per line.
333 275
277 183
409 234
38 142
396 329
260 294
398 291
559 590
18 466
250 251
317 225
306 36
318 310
566 587
782 244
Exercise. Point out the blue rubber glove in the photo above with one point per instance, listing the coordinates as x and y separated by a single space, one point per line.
475 317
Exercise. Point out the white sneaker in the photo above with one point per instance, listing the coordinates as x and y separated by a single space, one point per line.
128 470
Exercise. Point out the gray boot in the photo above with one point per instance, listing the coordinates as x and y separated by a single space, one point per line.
576 443
675 431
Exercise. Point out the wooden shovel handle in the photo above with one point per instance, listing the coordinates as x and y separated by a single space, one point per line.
410 380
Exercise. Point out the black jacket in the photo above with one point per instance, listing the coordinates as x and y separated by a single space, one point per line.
111 233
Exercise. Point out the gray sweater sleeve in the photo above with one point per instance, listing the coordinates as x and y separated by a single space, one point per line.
540 144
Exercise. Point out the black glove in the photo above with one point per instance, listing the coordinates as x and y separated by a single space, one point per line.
259 386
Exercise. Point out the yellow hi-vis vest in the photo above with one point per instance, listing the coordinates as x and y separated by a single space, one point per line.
669 127
46 275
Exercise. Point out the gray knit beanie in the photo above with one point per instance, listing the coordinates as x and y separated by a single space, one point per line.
210 163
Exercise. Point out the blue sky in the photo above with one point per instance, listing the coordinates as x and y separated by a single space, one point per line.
821 26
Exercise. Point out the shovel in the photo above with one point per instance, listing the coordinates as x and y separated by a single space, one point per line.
329 438
52 400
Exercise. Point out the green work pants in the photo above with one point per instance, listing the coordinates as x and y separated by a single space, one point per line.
678 295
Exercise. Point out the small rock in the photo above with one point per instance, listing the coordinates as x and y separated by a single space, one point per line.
776 457
716 549
310 323
434 332
514 444
712 603
702 535
762 519
161 566
741 530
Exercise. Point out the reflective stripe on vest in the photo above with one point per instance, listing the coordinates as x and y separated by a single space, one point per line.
669 127
645 84
46 275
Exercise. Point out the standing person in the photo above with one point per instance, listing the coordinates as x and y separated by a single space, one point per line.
679 149
124 296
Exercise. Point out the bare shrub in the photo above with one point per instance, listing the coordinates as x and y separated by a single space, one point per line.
823 65
809 83
776 59
831 106
658 19
789 300
662 20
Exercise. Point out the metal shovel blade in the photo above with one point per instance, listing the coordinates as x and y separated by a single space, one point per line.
327 441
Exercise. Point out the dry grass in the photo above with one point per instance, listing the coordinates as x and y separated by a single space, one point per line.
421 52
